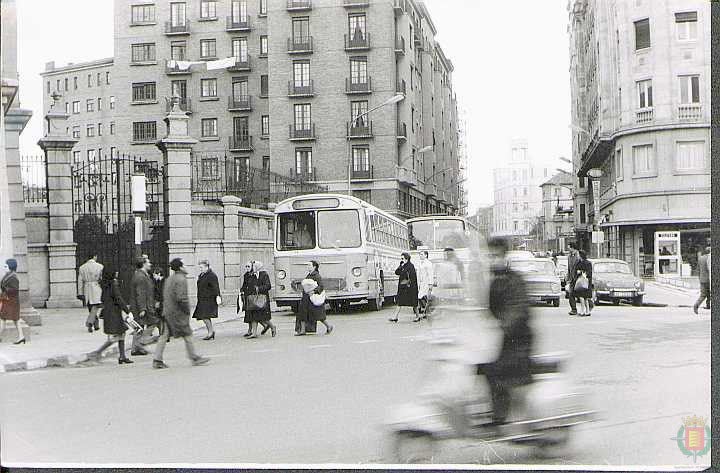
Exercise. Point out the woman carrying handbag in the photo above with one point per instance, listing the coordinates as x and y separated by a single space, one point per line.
113 307
407 288
256 289
583 284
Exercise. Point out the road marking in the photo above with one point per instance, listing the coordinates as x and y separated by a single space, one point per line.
268 350
320 346
365 341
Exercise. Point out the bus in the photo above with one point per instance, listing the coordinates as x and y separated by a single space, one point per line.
358 247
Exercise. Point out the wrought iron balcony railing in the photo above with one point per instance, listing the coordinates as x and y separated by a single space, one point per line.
302 133
240 143
364 87
300 45
299 5
360 130
357 42
239 103
237 24
173 69
241 65
179 29
301 89
363 174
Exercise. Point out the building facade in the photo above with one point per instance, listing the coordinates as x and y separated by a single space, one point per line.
556 220
640 77
483 220
288 86
517 195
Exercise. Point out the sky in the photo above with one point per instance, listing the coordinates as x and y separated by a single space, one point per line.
511 71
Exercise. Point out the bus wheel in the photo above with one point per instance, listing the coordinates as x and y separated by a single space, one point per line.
377 303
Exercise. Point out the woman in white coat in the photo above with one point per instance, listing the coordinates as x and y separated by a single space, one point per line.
426 280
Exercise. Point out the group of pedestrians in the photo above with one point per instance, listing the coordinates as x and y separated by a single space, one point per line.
414 286
578 283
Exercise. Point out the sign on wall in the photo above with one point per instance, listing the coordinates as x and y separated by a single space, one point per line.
667 254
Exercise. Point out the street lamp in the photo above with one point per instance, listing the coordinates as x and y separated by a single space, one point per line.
392 100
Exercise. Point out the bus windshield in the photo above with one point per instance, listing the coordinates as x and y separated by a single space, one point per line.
335 229
438 234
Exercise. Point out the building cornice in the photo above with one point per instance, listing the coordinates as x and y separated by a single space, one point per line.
16 119
638 195
80 66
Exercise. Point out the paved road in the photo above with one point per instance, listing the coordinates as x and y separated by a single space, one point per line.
322 399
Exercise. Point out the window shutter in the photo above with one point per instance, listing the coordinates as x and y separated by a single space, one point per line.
642 34
685 17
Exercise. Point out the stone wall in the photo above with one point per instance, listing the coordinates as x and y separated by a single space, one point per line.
38 235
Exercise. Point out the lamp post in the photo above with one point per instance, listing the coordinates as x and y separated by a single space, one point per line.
392 100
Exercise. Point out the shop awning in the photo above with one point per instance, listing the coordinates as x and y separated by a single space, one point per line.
667 221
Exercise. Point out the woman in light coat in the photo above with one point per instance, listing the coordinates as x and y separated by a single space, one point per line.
426 279
89 275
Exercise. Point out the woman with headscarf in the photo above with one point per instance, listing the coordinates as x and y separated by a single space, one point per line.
9 302
208 298
407 288
256 289
113 307
315 313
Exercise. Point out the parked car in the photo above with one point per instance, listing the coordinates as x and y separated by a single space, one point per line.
614 281
543 285
562 269
519 254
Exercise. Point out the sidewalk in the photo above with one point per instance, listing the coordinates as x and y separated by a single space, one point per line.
62 340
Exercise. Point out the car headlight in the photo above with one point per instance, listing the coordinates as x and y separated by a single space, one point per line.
555 287
357 272
281 274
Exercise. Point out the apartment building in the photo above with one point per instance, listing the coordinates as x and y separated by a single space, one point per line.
556 218
301 96
483 220
517 195
87 94
640 77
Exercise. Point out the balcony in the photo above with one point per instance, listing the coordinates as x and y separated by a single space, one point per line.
407 176
240 143
300 45
400 46
240 103
690 112
402 131
301 90
401 87
238 24
363 174
400 7
356 3
360 131
302 133
644 116
431 189
352 88
241 65
357 42
185 105
176 30
304 175
176 70
299 5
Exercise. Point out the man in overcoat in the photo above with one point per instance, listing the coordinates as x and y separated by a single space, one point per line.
142 305
89 290
573 258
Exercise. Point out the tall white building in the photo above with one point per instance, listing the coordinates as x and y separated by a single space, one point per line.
517 195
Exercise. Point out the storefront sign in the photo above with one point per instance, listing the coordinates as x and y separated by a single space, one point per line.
667 254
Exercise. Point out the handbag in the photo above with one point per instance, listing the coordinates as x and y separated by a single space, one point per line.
130 323
318 300
256 302
582 283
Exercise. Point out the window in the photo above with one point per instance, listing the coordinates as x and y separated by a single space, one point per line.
302 116
356 25
209 168
643 160
301 30
177 14
690 156
297 231
113 151
142 14
57 85
301 73
583 216
358 113
67 81
144 131
179 88
263 45
265 125
99 79
75 86
90 105
581 182
76 132
240 89
107 78
99 129
178 50
642 34
303 161
76 156
240 49
264 85
263 7
90 131
89 80
239 11
208 9
48 87
208 48
208 88
209 128
112 102
91 154
266 163
645 98
689 89
112 128
618 164
143 92
361 159
99 104
338 229
67 108
144 52
686 25
76 107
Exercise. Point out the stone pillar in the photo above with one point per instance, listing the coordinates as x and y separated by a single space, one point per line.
57 146
231 247
176 148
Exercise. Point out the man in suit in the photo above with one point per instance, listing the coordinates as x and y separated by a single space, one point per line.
704 276
573 258
142 304
89 290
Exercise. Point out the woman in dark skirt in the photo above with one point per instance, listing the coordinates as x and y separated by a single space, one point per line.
307 319
112 309
10 287
208 295
583 266
407 288
258 283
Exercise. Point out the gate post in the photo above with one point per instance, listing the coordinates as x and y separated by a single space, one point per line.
61 249
176 148
231 245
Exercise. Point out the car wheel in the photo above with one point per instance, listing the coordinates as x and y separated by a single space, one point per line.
616 301
556 302
637 301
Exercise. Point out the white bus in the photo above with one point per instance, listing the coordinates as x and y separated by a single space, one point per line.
358 247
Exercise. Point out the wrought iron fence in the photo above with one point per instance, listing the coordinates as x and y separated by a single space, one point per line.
215 175
34 179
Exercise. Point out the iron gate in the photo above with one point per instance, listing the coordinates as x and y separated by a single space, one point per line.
103 222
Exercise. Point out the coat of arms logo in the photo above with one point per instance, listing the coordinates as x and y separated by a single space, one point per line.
693 437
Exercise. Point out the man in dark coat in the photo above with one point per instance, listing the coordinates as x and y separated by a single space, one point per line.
176 315
509 305
571 277
704 277
142 305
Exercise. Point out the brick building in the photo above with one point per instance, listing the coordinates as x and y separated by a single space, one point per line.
302 73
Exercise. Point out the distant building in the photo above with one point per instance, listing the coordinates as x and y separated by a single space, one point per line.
517 195
483 220
640 85
556 220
